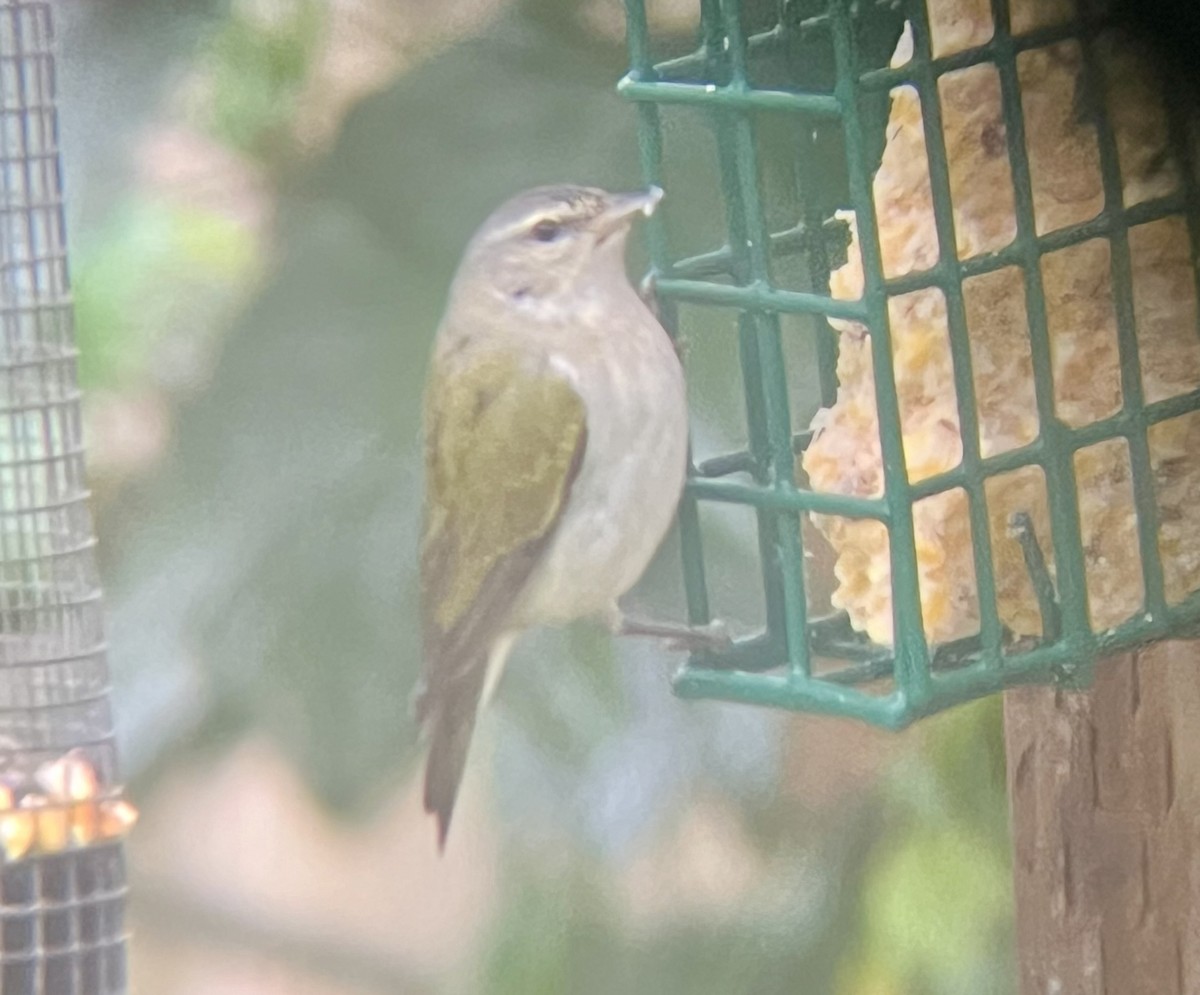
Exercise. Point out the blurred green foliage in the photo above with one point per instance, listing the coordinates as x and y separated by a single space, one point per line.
131 277
566 927
937 904
256 67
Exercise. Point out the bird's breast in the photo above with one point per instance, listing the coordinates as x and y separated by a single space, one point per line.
624 498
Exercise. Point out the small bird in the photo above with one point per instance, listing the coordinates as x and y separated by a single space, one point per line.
556 447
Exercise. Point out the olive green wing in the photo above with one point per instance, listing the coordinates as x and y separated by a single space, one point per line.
503 446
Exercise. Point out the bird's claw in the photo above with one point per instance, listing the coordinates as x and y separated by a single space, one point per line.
712 637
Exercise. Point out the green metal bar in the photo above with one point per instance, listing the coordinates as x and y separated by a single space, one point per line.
1060 472
1172 407
747 347
720 261
711 41
724 465
1132 394
827 361
695 577
761 297
695 62
801 441
817 205
758 653
756 416
912 653
724 65
650 151
985 677
1119 426
1183 618
637 39
742 462
974 680
960 344
1021 524
874 669
988 52
649 132
972 667
734 97
754 252
1033 454
733 492
780 691
1014 254
834 637
682 65
1182 130
819 269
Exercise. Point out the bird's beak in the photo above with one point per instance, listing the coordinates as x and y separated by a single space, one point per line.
624 207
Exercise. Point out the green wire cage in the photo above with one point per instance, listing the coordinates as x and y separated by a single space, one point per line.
1021 507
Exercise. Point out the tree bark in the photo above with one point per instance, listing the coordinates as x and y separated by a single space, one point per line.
1104 788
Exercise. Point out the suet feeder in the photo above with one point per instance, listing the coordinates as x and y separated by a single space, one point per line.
999 229
62 885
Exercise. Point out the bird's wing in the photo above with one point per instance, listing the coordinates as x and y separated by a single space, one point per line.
503 446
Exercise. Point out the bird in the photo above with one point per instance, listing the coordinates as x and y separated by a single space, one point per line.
556 447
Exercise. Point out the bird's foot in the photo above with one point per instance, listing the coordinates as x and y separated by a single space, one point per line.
713 637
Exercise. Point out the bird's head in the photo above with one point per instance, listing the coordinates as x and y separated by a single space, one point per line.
552 241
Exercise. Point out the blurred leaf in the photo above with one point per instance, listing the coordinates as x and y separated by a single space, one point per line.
574 699
937 905
937 900
567 926
552 927
156 271
258 62
118 57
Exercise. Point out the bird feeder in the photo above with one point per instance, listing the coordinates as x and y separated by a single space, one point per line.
999 227
62 879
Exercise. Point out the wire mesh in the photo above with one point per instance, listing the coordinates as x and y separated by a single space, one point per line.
61 926
833 69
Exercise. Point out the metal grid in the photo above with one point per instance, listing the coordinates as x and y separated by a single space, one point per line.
61 926
838 77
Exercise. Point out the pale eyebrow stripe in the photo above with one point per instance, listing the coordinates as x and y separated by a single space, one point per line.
571 215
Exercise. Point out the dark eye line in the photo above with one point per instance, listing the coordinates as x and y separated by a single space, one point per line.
546 230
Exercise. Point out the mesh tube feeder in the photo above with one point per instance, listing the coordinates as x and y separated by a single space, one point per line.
62 881
999 221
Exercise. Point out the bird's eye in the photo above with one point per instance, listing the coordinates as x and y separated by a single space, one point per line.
546 231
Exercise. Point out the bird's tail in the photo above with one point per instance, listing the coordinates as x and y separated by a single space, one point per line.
449 740
450 723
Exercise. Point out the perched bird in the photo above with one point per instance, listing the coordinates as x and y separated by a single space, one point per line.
556 445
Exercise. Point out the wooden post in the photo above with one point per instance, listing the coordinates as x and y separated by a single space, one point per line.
1104 788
